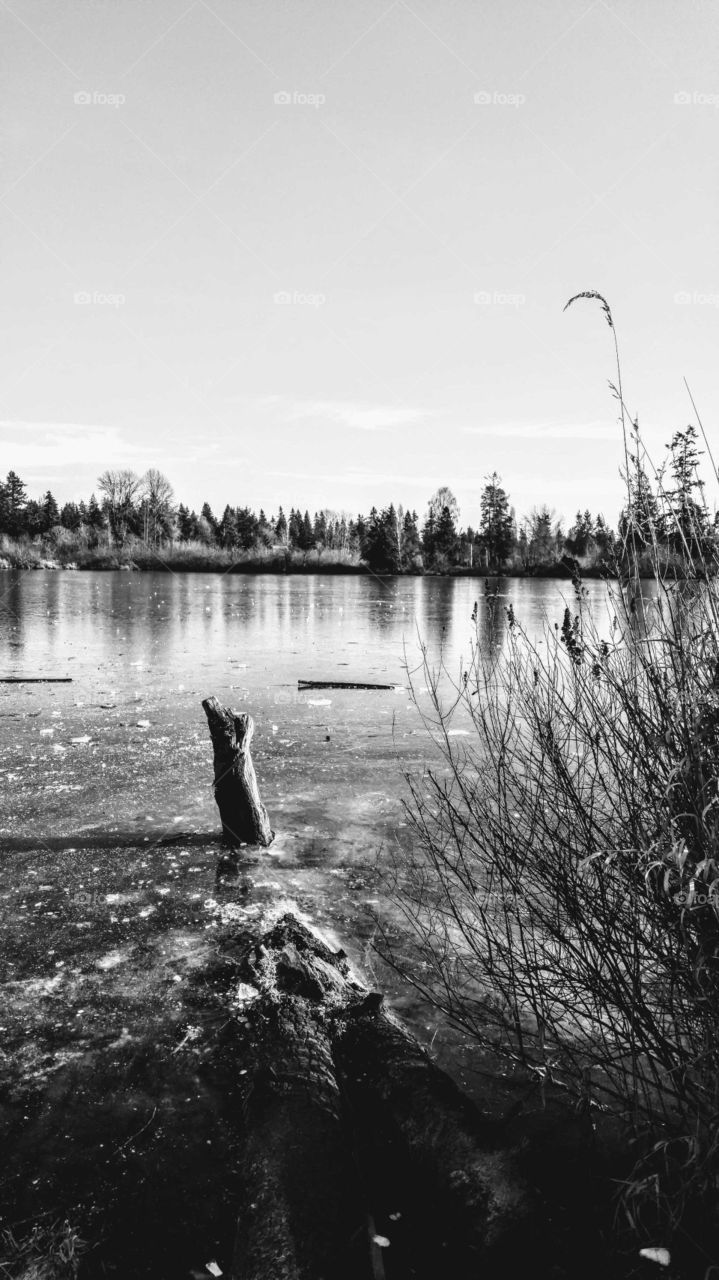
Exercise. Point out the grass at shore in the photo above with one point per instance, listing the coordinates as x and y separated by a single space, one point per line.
184 557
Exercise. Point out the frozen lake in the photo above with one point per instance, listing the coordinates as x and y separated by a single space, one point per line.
102 772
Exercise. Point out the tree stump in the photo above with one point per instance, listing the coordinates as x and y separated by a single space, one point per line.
244 817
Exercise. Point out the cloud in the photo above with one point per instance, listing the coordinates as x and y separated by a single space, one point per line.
549 430
349 413
56 446
49 450
428 483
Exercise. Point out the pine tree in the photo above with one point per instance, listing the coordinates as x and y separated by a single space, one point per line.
50 512
446 541
247 527
496 522
14 502
227 532
70 517
95 518
211 523
411 548
33 522
429 537
307 540
281 527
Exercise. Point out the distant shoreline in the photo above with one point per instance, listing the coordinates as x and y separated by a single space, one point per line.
275 568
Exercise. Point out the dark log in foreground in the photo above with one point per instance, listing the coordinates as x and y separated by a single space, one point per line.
244 817
35 679
339 684
303 1215
434 1137
340 1086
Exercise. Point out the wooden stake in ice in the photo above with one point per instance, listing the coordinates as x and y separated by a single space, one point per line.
244 817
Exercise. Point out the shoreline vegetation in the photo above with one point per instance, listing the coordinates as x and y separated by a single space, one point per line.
198 558
137 525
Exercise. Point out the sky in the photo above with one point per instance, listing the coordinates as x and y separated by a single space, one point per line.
317 253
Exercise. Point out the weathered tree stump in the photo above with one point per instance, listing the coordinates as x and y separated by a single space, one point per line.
244 817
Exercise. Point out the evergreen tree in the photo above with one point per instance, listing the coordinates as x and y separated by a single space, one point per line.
33 522
687 526
281 527
319 529
209 518
445 540
429 537
14 500
306 539
295 529
183 522
247 527
95 518
381 548
70 517
496 523
411 547
50 512
603 536
265 534
227 531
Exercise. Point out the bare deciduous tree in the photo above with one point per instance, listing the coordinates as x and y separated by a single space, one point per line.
120 489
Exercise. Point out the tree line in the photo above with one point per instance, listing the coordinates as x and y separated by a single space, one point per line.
132 508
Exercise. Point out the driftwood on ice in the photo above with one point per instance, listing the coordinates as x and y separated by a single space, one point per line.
340 684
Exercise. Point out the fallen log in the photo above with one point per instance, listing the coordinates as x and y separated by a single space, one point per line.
427 1135
244 817
340 684
35 679
303 1214
339 1085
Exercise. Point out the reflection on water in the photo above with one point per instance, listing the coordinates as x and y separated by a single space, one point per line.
285 627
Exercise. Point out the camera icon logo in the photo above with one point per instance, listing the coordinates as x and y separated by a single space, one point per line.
282 98
82 98
482 99
682 99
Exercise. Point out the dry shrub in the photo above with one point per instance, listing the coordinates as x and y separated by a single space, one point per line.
562 884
